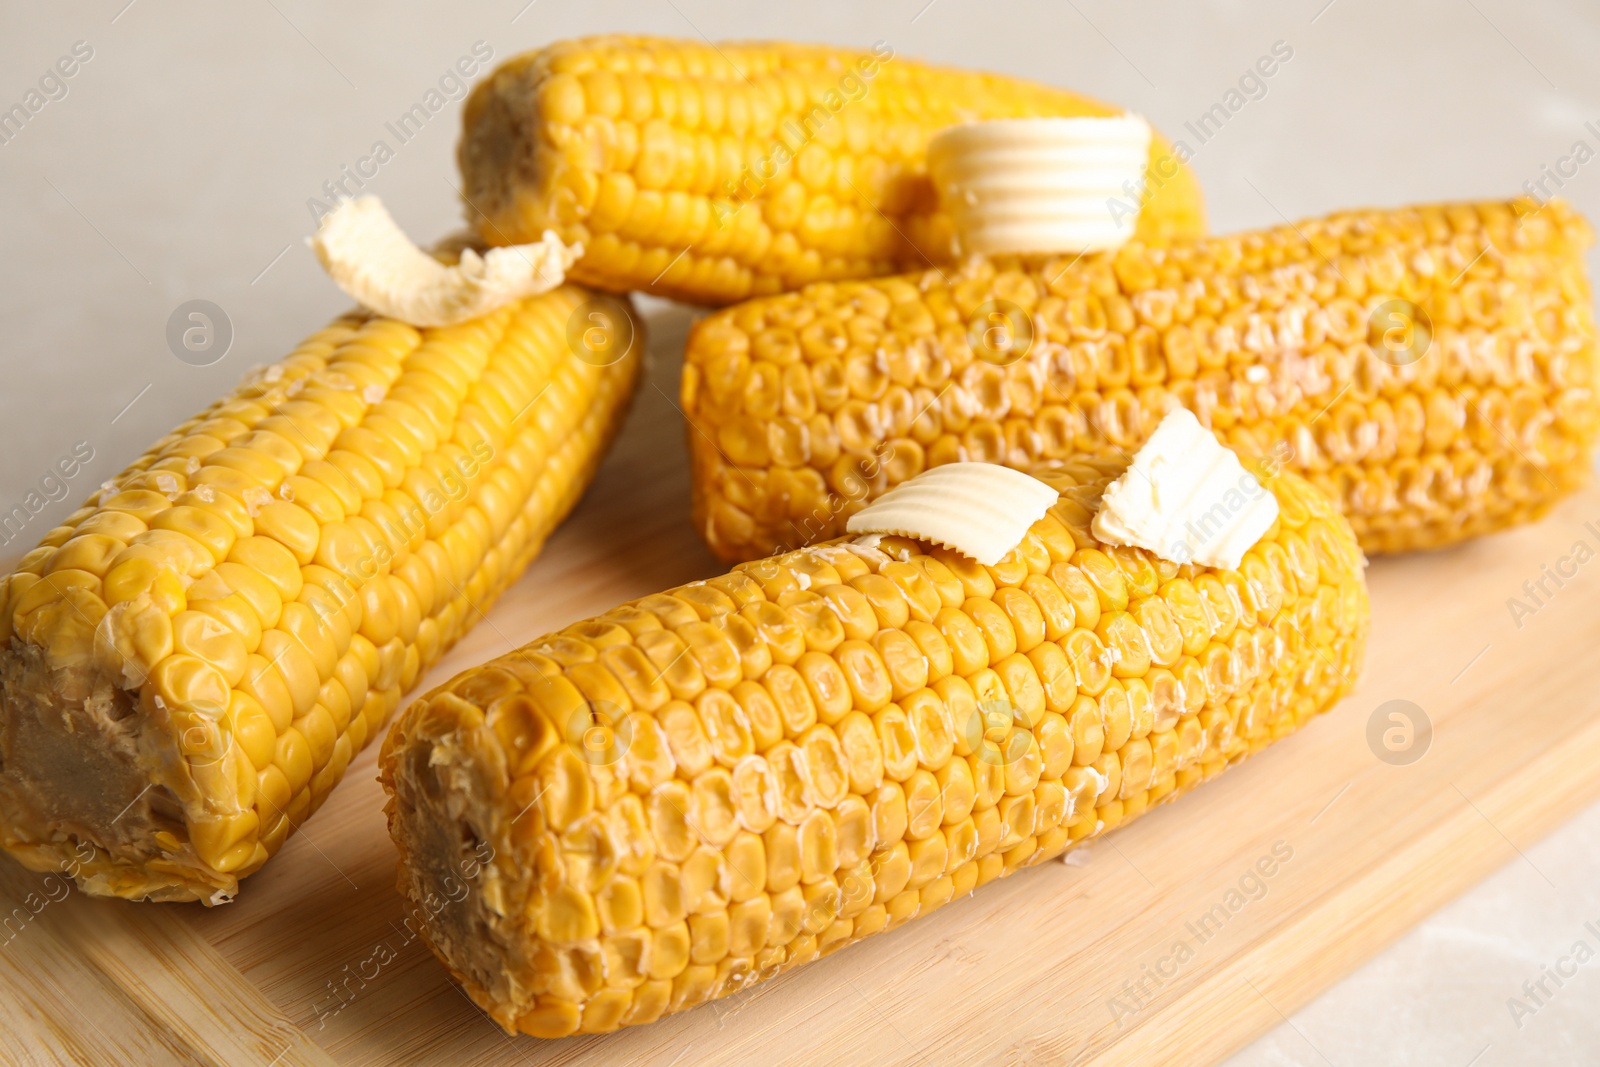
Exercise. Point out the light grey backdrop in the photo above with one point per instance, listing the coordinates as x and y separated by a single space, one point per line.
176 163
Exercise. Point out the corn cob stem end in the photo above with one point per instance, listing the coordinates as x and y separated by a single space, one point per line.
78 795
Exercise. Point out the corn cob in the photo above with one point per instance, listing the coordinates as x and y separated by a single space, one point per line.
1432 369
693 792
190 662
710 173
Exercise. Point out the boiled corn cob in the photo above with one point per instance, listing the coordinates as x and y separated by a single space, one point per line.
710 173
1432 369
190 662
693 792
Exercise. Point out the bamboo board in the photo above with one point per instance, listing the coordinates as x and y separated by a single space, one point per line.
1176 940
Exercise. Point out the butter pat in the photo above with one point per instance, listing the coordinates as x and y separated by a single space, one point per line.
981 510
1041 185
376 264
1186 498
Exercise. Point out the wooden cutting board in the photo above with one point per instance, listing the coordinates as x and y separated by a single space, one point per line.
1174 940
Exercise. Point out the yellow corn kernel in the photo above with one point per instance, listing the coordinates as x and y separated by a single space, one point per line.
736 169
261 589
755 842
1339 348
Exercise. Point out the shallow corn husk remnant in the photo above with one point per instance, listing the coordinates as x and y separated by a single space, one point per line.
713 172
1433 369
698 790
188 664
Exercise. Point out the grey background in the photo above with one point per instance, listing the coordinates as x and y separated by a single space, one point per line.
179 163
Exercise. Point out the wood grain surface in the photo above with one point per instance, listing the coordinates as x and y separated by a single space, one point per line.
1174 940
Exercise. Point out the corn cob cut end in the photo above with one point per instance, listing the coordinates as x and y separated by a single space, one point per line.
444 862
691 793
84 806
188 665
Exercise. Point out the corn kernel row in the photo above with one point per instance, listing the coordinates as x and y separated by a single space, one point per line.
703 788
1432 368
711 173
231 619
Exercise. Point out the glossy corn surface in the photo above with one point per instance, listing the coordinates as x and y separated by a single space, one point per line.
700 789
711 173
190 662
1433 369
